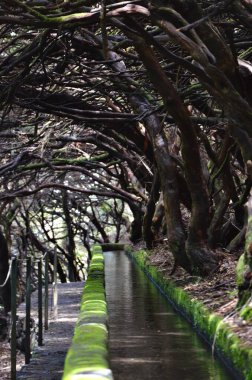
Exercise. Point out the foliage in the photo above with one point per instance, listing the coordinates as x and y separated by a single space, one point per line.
138 106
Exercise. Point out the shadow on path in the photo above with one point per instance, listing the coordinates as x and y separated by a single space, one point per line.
47 362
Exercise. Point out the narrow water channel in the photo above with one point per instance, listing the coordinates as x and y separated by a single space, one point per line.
148 340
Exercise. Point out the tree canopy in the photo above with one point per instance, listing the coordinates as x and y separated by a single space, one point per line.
137 105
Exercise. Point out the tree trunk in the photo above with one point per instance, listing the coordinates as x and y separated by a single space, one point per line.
73 274
40 247
166 168
244 270
158 216
136 233
98 226
148 234
202 259
169 186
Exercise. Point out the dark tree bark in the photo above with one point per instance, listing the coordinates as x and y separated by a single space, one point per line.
202 260
136 233
158 216
169 185
167 172
40 247
244 269
98 225
148 234
73 274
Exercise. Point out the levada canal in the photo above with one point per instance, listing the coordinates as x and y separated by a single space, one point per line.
148 339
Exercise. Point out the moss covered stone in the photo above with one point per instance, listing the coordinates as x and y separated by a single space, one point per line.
243 272
246 312
240 270
87 356
211 326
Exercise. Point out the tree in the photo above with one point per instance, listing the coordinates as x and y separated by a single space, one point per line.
140 101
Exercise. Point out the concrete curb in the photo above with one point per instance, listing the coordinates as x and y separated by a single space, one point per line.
87 357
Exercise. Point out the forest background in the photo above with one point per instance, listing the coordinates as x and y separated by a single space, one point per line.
126 120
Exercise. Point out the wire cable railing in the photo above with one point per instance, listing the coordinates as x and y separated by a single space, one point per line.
8 275
41 265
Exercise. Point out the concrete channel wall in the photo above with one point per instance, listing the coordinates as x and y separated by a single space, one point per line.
87 357
212 327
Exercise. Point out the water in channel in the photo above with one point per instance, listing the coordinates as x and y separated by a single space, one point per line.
148 339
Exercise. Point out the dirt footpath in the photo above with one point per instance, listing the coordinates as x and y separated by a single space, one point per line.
48 361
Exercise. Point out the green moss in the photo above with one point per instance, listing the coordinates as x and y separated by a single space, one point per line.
246 312
87 356
209 324
241 268
62 161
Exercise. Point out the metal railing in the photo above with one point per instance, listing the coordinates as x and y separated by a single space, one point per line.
43 302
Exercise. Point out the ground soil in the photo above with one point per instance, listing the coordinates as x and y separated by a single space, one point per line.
218 292
5 360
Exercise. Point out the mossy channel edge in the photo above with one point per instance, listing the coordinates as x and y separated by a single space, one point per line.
87 357
210 326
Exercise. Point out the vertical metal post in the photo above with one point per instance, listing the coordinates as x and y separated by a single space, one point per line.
28 312
46 291
40 305
13 318
55 290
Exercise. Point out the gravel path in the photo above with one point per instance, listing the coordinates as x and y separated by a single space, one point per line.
47 362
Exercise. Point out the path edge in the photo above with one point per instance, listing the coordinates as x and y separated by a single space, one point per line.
87 357
225 343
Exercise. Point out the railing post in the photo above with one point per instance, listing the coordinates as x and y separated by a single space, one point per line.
13 318
46 291
28 312
55 290
40 304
